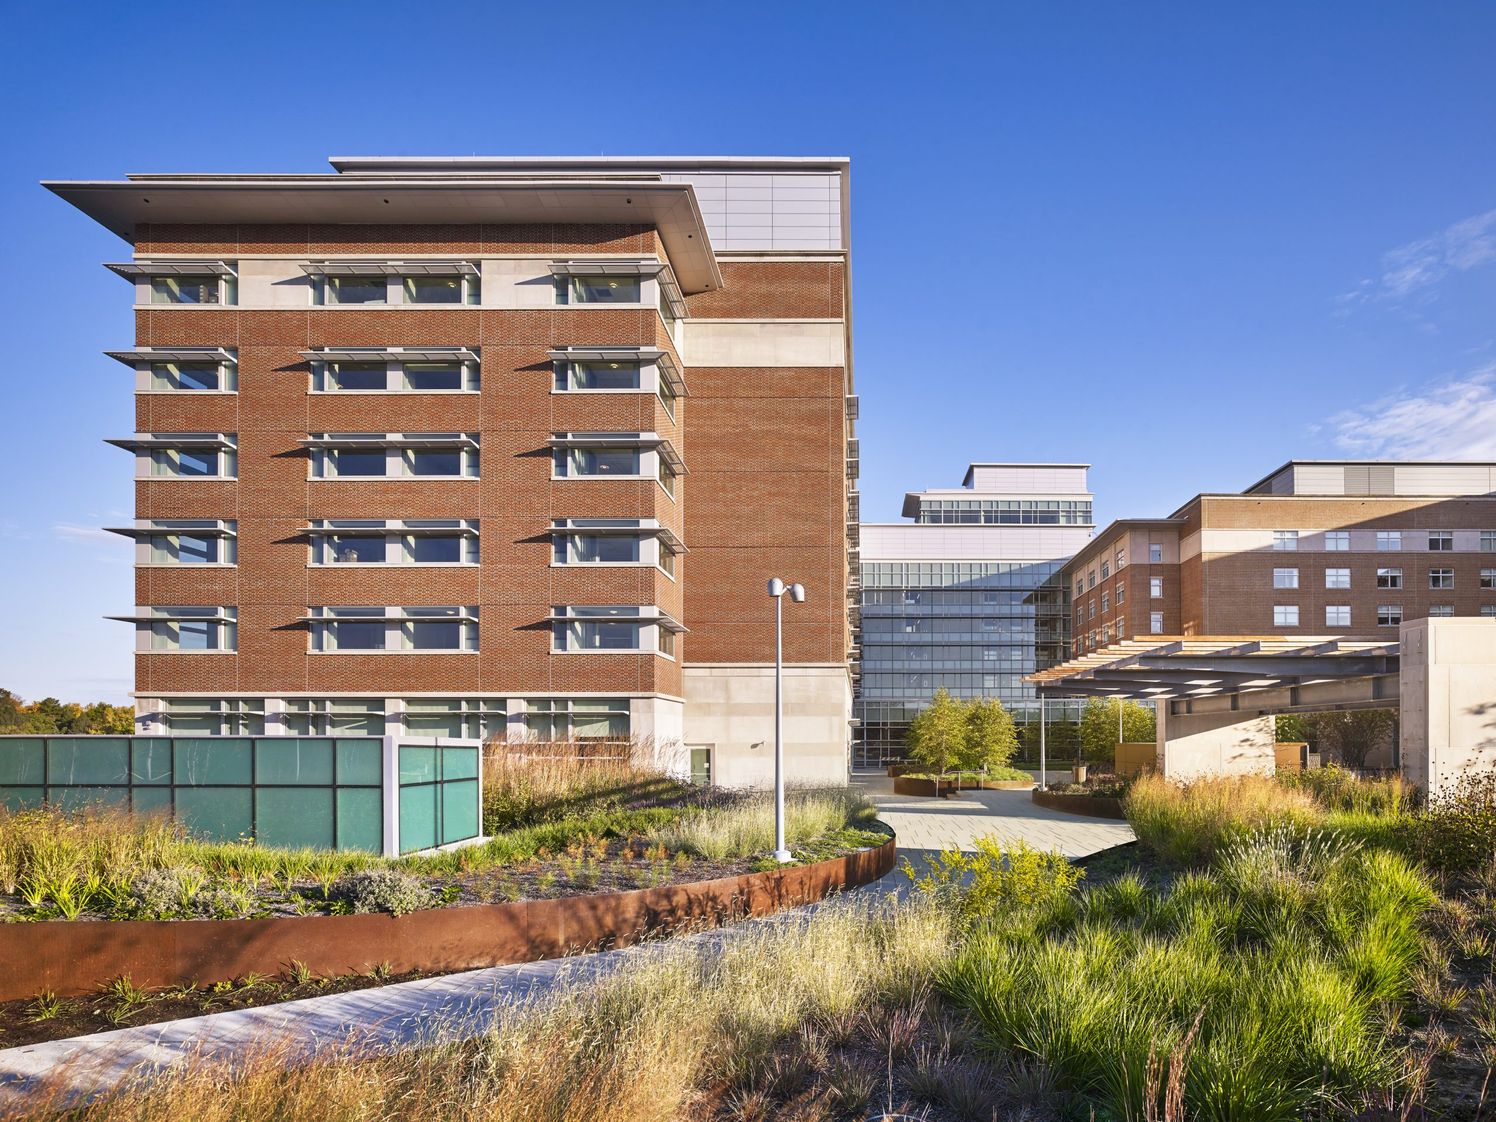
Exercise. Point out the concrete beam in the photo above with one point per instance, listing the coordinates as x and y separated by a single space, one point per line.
1448 689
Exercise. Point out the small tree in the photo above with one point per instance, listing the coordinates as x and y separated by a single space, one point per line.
938 735
1291 728
991 737
1351 737
1098 726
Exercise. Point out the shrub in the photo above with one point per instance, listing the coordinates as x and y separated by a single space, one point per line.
383 890
1456 833
1186 824
180 892
995 877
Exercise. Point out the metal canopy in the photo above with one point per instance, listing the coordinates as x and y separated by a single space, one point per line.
391 354
196 527
180 615
137 355
621 440
389 440
625 615
380 616
132 269
605 267
389 268
143 441
1167 668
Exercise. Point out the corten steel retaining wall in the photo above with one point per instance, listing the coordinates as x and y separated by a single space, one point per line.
71 957
1091 805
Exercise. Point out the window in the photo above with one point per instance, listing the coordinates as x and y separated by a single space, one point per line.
1091 609
570 462
1441 541
1337 615
1488 541
1155 588
1285 578
1389 615
640 629
1121 593
355 290
575 376
1337 578
1389 541
388 372
394 455
1105 569
189 542
469 718
1080 586
200 289
1337 540
1441 578
186 463
1440 611
1285 615
433 290
187 628
1106 603
1155 623
334 717
1121 560
193 376
1285 539
597 549
1488 578
342 541
215 717
598 290
990 654
394 282
592 719
1488 610
1090 580
1155 554
394 629
1389 578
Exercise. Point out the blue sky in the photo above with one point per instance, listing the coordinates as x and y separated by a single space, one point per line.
1182 242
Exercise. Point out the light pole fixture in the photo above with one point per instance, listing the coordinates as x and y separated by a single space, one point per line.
777 589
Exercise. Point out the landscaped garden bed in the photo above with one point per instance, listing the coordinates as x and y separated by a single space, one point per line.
96 897
1100 797
932 785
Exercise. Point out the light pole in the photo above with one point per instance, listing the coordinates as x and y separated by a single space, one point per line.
777 589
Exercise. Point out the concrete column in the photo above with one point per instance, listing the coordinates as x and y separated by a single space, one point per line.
1192 745
1447 691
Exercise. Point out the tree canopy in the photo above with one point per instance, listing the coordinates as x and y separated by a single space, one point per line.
67 718
1098 726
962 735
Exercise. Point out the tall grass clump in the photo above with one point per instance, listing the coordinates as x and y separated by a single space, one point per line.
1187 824
1336 789
530 790
1265 981
746 828
649 1043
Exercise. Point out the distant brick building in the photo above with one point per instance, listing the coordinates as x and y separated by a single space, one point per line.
498 447
1341 548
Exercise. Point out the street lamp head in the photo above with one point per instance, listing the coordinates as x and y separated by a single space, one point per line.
776 588
797 593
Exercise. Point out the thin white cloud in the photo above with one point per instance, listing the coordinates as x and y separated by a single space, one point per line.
1416 267
1453 420
87 535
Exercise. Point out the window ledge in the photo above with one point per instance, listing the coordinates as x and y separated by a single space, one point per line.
193 393
186 479
394 479
184 565
389 393
437 651
171 652
343 565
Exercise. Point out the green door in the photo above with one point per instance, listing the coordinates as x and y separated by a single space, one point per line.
701 767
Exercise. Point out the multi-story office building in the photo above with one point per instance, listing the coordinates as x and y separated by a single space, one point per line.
1338 548
493 447
965 595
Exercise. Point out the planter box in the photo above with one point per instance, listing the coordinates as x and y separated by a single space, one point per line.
1090 805
926 788
896 770
77 957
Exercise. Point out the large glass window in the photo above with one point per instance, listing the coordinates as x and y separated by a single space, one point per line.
1389 615
598 376
215 717
1337 540
597 461
1441 541
335 716
356 290
469 718
597 549
191 463
1441 578
354 462
356 376
416 455
1440 611
192 376
189 549
1389 540
598 290
433 375
1337 578
412 542
355 550
608 629
1285 578
394 629
206 289
182 628
433 290
1488 578
591 719
1285 539
433 461
1389 578
371 376
1285 615
1337 615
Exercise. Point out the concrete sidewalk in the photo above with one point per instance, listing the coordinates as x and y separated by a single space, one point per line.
457 1005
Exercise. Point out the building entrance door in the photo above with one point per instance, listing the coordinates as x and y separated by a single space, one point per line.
701 764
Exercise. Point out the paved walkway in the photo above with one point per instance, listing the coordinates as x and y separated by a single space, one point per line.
389 1017
934 824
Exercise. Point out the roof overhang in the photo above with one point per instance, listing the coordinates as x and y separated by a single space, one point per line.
391 354
621 615
618 528
671 207
197 527
388 617
1164 668
179 614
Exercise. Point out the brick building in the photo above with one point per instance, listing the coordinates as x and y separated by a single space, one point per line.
1338 548
493 447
